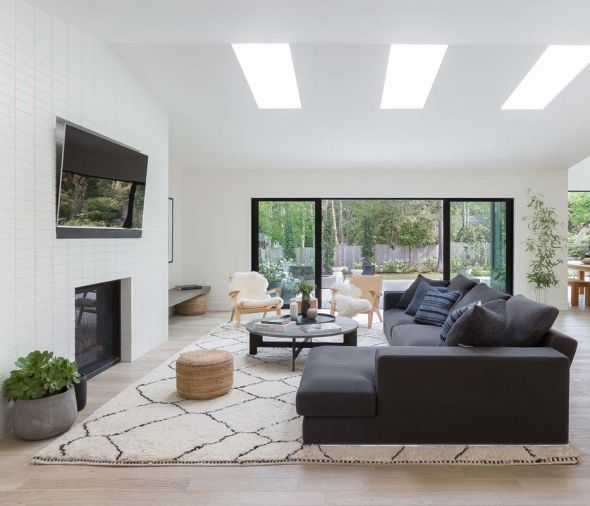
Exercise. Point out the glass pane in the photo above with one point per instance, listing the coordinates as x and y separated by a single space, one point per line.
478 241
396 238
579 224
286 248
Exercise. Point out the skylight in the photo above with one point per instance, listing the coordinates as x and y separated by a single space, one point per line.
553 71
268 68
411 72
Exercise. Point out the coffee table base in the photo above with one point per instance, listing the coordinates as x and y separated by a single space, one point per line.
297 344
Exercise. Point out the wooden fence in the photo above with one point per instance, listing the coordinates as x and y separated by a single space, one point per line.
348 254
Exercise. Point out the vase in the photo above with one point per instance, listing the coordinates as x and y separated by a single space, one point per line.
305 300
81 390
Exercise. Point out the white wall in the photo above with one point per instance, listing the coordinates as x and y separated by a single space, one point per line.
175 191
579 176
50 69
216 226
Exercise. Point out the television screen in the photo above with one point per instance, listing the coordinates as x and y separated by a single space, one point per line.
102 185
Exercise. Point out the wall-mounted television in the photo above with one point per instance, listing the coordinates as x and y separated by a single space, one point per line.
101 185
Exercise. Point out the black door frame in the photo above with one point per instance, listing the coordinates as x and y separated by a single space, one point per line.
254 253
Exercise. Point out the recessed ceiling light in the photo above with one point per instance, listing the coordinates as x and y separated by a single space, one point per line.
268 68
553 71
411 72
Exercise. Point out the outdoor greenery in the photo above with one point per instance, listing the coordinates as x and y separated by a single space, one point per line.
287 228
93 201
272 271
544 242
579 224
40 374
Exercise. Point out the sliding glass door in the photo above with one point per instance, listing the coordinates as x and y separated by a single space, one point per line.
479 241
327 240
286 243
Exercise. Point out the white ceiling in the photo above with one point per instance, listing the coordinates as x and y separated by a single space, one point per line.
181 50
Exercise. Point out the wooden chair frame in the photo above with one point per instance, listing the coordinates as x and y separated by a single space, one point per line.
375 299
239 310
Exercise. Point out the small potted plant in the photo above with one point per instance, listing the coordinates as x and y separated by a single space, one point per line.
42 388
305 288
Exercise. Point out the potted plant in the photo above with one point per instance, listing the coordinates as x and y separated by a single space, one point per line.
357 268
305 288
544 244
42 388
273 272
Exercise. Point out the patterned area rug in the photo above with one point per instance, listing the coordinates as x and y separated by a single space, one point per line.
254 424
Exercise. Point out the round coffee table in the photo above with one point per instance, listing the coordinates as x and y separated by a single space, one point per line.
295 337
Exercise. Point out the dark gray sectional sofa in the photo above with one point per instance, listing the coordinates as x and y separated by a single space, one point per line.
418 392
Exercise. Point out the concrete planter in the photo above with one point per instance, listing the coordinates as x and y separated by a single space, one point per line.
46 417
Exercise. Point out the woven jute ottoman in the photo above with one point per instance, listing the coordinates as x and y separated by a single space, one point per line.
204 374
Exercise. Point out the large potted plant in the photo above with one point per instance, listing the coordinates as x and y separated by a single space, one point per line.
42 388
544 244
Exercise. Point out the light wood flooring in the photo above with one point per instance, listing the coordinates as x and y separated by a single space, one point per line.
24 484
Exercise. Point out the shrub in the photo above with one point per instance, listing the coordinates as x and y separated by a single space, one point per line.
272 271
397 266
430 264
40 374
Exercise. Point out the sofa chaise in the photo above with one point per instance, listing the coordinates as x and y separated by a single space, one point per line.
416 391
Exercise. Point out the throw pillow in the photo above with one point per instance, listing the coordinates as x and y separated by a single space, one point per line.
481 292
419 296
462 283
408 295
477 327
527 321
436 307
451 320
497 306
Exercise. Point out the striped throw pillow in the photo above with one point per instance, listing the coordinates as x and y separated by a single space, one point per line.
436 307
451 320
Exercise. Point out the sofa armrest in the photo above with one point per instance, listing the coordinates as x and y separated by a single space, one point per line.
473 395
390 299
562 343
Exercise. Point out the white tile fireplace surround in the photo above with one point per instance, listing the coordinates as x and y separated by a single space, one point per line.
49 69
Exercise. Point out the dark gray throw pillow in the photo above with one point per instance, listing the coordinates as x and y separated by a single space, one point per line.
478 327
408 295
481 292
527 321
462 283
419 296
497 306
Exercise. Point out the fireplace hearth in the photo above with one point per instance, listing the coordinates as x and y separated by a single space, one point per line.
98 327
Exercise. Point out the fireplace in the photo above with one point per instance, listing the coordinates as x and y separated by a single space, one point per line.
98 327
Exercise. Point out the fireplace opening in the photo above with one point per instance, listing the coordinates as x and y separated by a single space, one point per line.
98 327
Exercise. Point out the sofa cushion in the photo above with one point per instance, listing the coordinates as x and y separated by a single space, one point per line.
480 292
462 283
338 381
415 335
408 295
451 320
436 307
478 327
527 321
394 317
419 295
497 306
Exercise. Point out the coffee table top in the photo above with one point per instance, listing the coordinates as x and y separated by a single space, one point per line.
291 331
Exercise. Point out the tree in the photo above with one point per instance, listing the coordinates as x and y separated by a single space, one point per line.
544 243
102 209
367 247
328 241
579 211
290 242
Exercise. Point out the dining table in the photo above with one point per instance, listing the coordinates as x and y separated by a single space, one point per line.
580 269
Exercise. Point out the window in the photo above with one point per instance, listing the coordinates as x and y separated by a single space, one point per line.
326 240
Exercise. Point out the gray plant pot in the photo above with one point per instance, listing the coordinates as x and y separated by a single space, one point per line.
46 417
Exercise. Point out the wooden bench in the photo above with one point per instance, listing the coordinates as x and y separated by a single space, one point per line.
188 302
577 286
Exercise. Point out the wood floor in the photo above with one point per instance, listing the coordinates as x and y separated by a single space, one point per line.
24 484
